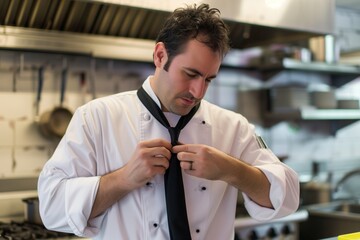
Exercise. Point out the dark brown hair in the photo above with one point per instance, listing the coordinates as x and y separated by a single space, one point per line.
202 22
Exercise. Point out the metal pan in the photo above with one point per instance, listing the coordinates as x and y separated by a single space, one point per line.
55 122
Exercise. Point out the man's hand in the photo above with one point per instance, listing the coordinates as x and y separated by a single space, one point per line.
149 159
201 160
212 164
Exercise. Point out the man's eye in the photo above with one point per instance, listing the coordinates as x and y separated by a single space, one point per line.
191 75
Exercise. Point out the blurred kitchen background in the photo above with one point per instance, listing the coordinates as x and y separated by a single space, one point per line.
294 72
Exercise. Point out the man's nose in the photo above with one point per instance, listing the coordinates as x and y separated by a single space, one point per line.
198 87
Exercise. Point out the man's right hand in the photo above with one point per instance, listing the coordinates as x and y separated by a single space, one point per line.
149 159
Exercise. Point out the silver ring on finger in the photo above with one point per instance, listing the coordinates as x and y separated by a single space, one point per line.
191 165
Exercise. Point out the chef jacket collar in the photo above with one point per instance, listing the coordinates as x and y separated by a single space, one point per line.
204 115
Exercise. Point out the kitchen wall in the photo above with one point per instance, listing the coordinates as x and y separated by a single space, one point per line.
23 149
347 27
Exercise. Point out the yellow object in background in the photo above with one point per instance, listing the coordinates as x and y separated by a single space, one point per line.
351 236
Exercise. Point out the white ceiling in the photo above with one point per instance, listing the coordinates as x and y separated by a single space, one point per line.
353 4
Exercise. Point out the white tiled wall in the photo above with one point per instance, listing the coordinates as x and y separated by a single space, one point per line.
23 149
347 26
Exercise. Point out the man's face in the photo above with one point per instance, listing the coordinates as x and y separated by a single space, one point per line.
188 77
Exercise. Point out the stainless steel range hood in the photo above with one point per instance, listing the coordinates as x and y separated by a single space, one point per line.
117 28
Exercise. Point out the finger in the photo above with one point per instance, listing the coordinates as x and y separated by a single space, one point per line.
187 156
160 162
184 148
153 148
161 152
158 142
187 165
159 170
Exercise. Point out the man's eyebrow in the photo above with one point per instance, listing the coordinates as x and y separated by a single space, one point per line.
199 73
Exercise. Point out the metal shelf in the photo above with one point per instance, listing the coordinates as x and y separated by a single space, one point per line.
315 114
331 68
330 114
320 67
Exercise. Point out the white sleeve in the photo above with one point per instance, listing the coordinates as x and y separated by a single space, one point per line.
68 183
284 193
284 189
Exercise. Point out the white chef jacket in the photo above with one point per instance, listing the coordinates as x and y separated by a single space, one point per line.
101 138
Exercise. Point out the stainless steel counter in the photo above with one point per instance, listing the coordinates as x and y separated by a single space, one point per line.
331 219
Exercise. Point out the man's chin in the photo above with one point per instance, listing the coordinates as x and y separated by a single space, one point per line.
181 111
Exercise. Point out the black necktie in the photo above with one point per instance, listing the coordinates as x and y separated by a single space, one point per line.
174 187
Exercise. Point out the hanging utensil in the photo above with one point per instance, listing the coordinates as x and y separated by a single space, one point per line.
14 80
17 72
83 87
54 123
92 77
39 90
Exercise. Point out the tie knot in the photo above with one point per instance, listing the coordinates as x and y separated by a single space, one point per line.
174 134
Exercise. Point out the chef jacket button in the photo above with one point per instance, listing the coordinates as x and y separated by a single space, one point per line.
197 230
203 122
148 184
155 225
203 188
146 117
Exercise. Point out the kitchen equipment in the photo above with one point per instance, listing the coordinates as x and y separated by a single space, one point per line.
315 192
32 213
348 186
348 103
54 123
83 87
247 228
72 25
285 98
318 189
302 54
39 90
29 231
324 99
331 219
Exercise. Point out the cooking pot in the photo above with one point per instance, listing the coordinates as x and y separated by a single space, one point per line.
324 99
315 192
31 210
54 123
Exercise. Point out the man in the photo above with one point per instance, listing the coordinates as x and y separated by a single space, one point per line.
106 179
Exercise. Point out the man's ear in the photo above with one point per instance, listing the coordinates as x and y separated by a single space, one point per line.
160 55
